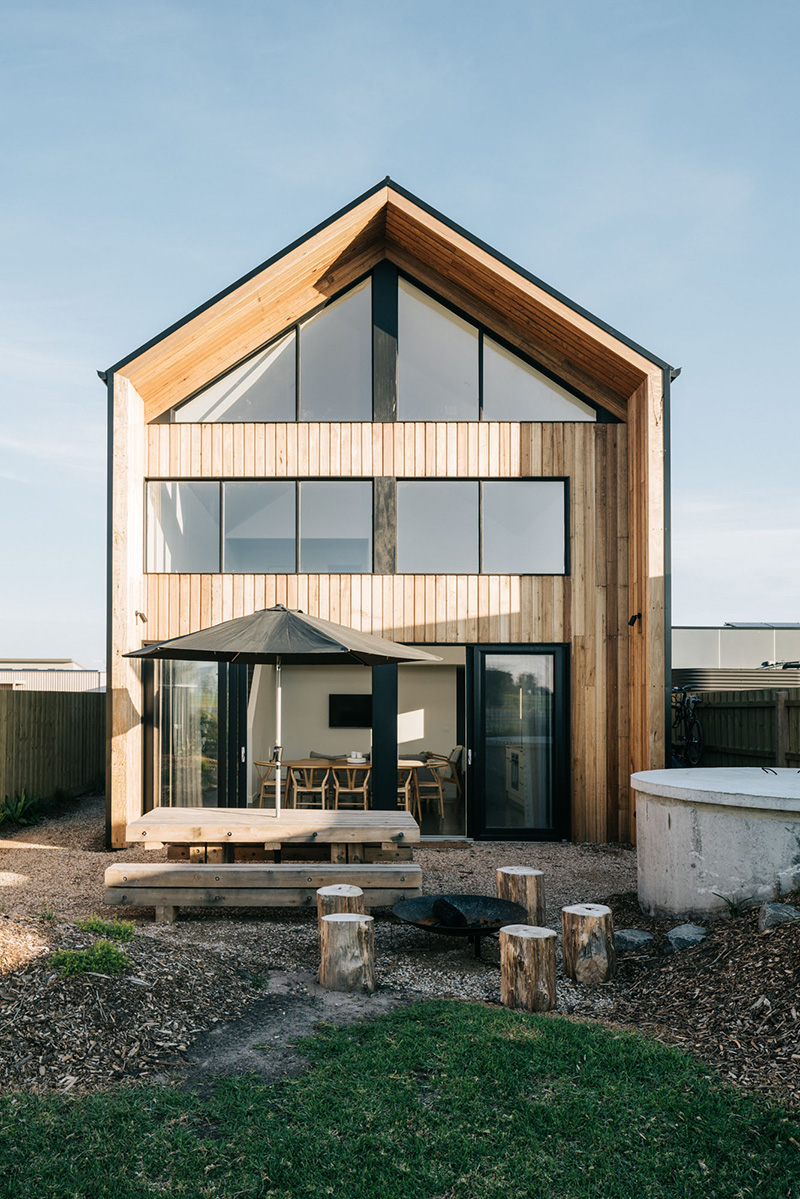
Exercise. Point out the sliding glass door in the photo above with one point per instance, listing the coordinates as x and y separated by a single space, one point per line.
196 734
519 742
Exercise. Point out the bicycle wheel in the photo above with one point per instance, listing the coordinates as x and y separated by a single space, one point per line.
693 746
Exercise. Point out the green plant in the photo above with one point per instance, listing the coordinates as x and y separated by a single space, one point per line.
20 809
115 930
47 913
101 958
735 906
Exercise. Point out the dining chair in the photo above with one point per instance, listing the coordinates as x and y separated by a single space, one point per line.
429 783
453 760
308 786
407 796
266 776
351 786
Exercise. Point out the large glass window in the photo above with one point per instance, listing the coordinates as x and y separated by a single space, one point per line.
336 527
524 527
437 528
513 390
183 527
260 521
261 389
448 368
336 360
437 365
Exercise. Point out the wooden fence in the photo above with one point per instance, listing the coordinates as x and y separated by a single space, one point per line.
51 740
750 728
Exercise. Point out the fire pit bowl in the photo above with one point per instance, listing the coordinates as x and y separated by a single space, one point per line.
472 916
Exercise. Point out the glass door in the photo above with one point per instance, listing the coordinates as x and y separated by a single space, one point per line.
519 742
199 718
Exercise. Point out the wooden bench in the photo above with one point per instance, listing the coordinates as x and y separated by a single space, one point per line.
166 886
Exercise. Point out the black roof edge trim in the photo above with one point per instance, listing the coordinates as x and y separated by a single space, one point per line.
515 266
250 275
439 216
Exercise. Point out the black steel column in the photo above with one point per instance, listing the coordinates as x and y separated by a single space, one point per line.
384 737
384 342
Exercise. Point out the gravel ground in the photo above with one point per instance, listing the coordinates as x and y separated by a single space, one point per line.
207 992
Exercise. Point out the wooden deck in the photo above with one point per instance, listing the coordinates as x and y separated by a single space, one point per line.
254 826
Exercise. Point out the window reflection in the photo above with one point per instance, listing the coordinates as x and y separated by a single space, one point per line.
336 527
336 360
437 528
524 529
513 390
437 360
187 721
183 527
261 389
260 527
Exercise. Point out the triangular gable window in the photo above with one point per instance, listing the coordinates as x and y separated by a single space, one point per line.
260 389
513 390
335 372
448 369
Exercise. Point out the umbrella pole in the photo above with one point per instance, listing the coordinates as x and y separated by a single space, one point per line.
278 735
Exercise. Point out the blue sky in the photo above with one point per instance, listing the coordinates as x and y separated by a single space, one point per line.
641 157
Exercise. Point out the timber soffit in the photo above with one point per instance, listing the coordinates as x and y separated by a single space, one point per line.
396 214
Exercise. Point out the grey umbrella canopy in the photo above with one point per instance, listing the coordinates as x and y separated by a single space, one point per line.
276 636
280 634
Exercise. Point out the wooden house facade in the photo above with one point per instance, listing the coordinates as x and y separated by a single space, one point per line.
391 426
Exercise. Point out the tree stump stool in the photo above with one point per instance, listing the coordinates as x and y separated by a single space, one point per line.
339 897
588 943
347 947
525 886
528 967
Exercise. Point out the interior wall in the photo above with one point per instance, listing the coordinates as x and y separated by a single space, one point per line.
426 698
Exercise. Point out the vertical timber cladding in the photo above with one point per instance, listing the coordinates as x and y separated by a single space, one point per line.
588 608
647 558
127 598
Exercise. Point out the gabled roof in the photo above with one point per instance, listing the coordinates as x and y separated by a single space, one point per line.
388 222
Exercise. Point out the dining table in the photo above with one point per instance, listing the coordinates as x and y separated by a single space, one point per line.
413 764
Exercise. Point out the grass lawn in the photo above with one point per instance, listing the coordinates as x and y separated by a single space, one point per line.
446 1100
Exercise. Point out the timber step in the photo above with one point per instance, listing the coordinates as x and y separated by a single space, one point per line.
167 886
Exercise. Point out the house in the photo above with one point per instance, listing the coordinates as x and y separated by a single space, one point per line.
392 426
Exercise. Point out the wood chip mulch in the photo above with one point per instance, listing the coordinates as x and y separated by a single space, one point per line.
85 1032
733 1000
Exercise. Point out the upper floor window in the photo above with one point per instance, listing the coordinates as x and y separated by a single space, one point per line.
514 390
183 526
336 360
260 527
437 360
319 371
431 364
498 526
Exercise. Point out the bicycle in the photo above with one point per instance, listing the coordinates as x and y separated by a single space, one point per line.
687 730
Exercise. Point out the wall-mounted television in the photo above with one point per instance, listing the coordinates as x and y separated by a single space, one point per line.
350 711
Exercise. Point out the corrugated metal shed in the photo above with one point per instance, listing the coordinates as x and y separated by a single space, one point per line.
708 679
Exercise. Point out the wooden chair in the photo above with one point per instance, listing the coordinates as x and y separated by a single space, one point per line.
430 788
454 762
351 786
407 796
266 774
305 781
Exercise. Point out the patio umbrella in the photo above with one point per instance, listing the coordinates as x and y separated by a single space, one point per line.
278 635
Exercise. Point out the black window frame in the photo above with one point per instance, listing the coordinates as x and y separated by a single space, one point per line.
221 482
481 481
384 278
